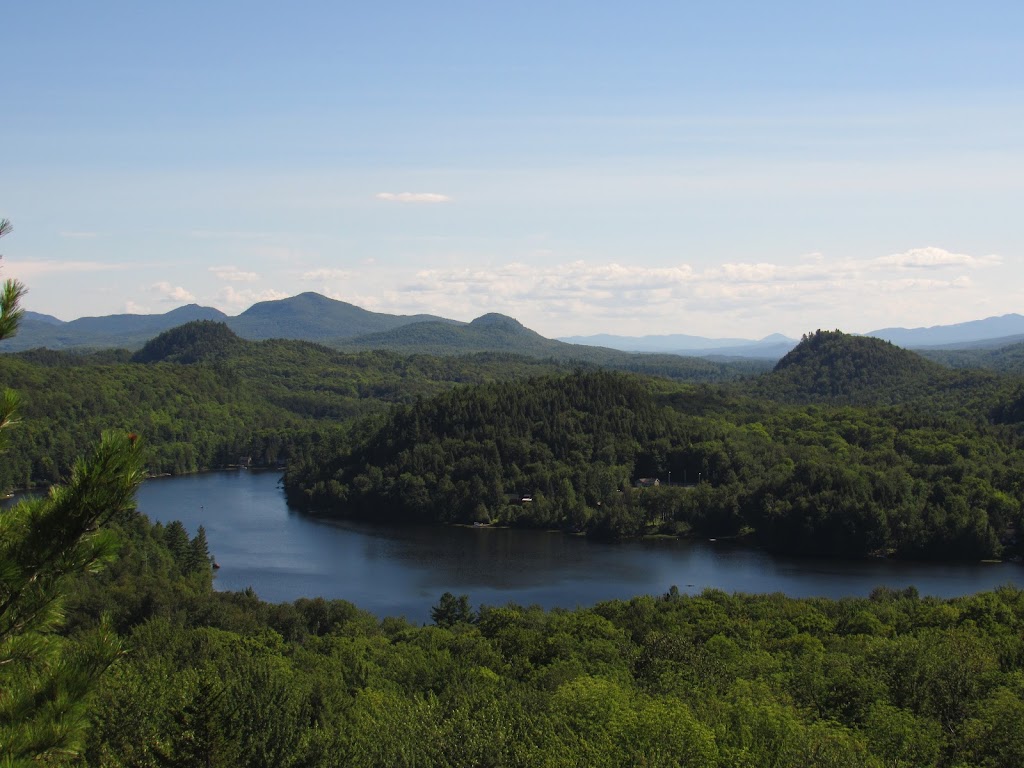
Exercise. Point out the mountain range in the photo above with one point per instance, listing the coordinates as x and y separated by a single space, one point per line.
308 316
313 317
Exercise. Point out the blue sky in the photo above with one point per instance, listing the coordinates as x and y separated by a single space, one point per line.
725 169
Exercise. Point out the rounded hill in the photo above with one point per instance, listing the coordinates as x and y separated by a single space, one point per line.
835 366
195 342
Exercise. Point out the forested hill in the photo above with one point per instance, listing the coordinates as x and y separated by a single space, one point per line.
200 397
203 397
491 333
475 453
200 341
831 365
834 367
569 451
486 333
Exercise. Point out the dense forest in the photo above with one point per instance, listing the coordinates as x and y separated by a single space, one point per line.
570 451
115 650
203 397
710 680
1005 359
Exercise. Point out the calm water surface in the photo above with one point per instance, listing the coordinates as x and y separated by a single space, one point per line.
259 542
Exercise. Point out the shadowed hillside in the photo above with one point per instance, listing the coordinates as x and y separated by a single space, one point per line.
313 317
834 366
488 333
201 340
127 331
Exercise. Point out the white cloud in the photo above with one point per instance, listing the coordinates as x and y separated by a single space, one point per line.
168 292
412 197
234 274
132 308
931 257
812 290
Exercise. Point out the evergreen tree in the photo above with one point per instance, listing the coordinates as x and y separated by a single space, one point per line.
44 680
199 553
451 610
176 541
198 737
11 293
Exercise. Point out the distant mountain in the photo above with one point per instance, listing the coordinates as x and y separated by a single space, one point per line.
128 331
488 333
973 331
313 317
308 316
990 344
655 343
316 318
499 333
41 318
769 348
990 332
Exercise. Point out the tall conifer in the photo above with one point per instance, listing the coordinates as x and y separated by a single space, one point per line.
44 679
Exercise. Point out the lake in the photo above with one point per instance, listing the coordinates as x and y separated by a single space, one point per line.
402 571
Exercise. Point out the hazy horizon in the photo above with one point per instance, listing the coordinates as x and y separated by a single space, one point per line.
610 334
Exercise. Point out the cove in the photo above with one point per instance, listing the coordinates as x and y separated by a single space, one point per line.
401 571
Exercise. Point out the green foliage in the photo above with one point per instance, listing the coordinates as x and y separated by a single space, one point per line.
271 401
568 451
43 544
830 365
11 293
1004 359
200 340
451 610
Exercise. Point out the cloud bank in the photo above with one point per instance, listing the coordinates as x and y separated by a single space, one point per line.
588 297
